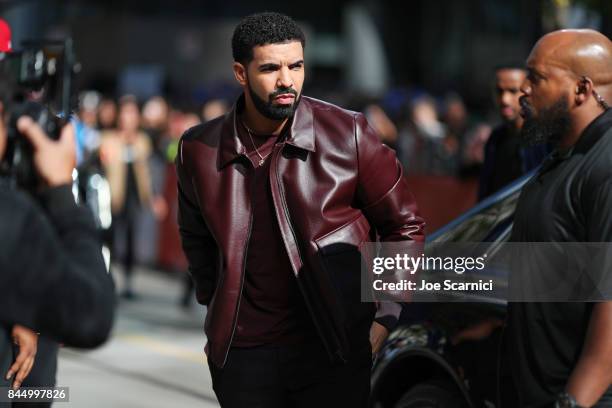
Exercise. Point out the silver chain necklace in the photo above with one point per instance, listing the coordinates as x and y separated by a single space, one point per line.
262 159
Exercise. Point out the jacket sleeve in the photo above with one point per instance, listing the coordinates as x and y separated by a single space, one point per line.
198 244
386 201
383 191
55 278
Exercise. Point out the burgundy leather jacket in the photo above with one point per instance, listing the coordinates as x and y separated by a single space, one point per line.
329 191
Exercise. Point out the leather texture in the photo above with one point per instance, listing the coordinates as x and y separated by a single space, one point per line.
334 187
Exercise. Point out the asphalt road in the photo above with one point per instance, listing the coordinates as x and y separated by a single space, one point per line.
154 358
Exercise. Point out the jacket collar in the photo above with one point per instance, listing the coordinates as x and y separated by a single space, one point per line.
300 135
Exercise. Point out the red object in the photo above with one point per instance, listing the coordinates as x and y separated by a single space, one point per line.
5 37
441 199
170 253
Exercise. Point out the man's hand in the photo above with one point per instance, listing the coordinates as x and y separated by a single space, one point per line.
478 331
592 375
27 341
54 160
378 335
159 206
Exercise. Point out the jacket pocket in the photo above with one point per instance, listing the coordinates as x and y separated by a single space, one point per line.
342 262
353 233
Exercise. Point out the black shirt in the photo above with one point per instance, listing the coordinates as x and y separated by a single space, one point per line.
503 150
568 200
507 158
53 278
272 310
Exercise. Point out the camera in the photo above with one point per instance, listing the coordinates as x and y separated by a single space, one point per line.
35 81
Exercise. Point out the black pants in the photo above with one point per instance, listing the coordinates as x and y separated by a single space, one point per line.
291 376
124 233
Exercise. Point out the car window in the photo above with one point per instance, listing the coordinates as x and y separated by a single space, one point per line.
491 223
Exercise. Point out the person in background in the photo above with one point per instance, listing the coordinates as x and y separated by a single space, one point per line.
561 352
125 154
85 126
170 254
382 124
455 117
429 152
52 241
107 114
155 123
506 155
155 116
213 109
472 150
47 239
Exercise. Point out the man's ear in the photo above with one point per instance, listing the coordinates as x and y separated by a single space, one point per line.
584 88
240 73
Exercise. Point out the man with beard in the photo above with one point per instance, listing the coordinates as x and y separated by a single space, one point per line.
275 198
506 156
562 352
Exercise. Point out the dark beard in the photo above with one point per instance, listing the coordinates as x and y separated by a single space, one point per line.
269 109
549 127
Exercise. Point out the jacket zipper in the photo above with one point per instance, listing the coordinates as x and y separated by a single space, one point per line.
306 300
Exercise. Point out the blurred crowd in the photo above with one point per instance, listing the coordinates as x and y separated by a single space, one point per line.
134 143
432 136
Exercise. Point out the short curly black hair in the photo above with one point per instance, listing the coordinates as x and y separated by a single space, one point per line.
260 29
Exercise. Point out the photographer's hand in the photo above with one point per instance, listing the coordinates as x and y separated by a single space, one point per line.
54 160
27 341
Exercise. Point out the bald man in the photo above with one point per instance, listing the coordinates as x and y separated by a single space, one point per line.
562 352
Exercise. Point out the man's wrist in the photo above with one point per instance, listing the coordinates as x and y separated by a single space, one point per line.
388 322
58 181
388 314
56 199
566 400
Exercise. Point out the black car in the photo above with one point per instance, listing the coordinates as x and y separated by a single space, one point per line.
449 354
